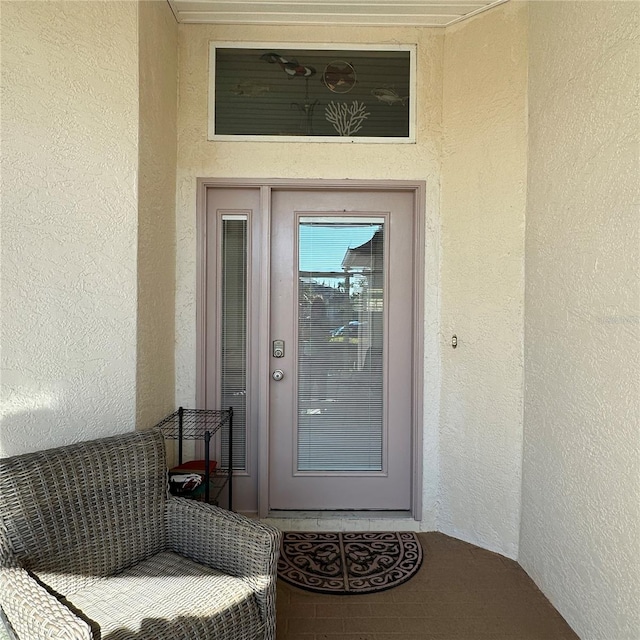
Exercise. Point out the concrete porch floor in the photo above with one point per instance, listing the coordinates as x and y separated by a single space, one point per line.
461 592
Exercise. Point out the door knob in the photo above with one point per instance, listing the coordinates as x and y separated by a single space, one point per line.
277 375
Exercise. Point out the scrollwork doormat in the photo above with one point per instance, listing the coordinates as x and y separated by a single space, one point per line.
349 563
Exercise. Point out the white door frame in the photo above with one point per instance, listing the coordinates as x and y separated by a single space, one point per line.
266 186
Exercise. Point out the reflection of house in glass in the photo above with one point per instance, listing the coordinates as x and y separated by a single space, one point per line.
368 260
365 265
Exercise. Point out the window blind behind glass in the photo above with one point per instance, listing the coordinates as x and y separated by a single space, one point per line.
340 338
234 336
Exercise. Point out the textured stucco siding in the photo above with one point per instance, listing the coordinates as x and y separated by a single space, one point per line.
580 537
158 47
69 221
198 157
483 205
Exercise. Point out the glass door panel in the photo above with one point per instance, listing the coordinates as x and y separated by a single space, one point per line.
233 324
341 298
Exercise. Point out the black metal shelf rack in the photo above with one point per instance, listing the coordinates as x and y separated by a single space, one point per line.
203 424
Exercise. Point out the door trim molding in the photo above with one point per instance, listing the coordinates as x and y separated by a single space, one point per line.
266 186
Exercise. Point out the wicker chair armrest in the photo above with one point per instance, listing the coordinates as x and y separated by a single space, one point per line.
34 613
222 539
230 543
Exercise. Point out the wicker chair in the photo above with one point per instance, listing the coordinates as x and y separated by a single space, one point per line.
92 547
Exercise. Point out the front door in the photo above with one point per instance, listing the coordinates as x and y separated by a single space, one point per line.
342 332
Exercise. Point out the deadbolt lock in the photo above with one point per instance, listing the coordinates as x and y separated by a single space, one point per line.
278 349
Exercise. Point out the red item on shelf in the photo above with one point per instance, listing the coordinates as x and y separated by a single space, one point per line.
196 466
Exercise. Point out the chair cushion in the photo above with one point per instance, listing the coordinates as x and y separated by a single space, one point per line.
169 597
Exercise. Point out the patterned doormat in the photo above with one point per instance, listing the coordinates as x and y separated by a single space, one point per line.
349 563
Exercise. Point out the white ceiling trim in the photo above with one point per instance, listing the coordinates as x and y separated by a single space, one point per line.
407 13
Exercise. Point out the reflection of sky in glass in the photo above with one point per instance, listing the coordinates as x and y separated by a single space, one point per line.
323 246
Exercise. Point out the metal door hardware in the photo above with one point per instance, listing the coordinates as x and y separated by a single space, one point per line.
278 349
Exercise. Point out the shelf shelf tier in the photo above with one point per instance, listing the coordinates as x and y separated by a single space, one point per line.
217 483
200 424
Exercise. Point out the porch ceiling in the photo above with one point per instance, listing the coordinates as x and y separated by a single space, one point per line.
423 13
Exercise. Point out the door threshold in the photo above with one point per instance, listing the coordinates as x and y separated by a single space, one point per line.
347 515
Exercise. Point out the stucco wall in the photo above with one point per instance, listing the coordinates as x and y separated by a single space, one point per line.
69 221
158 48
199 158
483 206
580 537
